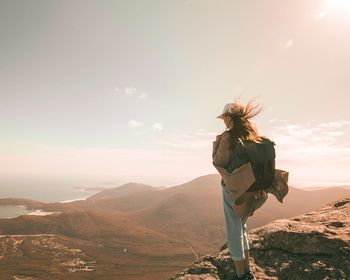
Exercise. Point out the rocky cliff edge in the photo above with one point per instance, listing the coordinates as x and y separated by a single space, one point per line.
315 245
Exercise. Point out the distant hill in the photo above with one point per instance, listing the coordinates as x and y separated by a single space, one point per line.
123 190
315 188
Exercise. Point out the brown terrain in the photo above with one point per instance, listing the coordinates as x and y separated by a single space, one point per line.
131 232
312 246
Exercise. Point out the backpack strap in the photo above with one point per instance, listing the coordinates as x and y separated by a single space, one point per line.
245 149
240 140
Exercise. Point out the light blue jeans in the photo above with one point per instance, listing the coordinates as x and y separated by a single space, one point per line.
237 239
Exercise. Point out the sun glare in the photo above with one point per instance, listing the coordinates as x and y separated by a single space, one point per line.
337 6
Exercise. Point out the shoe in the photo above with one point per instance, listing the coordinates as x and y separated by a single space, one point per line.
249 276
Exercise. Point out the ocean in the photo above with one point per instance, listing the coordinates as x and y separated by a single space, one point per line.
60 189
46 189
12 211
49 189
63 188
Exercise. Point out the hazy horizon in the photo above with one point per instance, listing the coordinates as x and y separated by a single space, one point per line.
128 91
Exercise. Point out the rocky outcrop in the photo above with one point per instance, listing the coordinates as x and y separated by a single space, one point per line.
311 246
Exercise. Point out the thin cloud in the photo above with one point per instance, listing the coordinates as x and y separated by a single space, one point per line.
321 15
130 90
289 43
321 143
142 95
132 124
276 120
157 127
196 141
335 124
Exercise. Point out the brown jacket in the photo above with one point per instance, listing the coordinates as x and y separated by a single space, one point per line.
240 179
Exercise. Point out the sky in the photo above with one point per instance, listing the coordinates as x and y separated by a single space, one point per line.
130 89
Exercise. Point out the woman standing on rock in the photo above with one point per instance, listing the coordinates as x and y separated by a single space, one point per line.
228 153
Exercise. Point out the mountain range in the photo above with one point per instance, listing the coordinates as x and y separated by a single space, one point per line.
133 231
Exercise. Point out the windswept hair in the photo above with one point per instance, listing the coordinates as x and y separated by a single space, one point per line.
243 128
